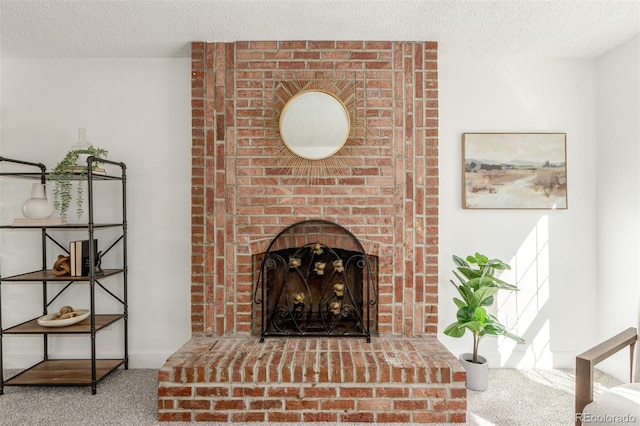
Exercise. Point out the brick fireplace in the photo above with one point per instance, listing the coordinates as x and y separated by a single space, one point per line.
385 192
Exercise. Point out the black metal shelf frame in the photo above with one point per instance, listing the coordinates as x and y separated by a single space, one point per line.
45 276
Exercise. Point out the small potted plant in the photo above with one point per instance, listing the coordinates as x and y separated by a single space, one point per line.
70 168
477 286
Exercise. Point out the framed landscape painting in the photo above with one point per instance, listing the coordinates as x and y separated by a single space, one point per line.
514 170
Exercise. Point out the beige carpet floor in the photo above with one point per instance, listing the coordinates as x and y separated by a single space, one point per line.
515 397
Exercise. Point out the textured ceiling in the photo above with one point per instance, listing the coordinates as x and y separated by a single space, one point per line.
472 28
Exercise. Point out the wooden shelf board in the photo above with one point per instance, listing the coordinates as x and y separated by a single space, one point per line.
63 226
64 372
74 176
50 276
84 326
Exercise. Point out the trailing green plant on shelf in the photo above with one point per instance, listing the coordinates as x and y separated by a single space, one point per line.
478 286
67 171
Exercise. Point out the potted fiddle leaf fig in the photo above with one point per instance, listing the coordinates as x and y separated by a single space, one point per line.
477 286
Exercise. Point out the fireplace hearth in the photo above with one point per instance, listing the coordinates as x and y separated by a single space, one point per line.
244 193
316 280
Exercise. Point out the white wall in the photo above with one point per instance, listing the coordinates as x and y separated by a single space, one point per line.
139 110
552 251
618 188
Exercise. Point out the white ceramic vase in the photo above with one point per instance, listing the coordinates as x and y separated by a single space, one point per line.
477 374
38 206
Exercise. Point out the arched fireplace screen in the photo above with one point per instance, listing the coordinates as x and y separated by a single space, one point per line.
315 280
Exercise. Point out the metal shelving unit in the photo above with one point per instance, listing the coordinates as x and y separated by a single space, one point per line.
69 372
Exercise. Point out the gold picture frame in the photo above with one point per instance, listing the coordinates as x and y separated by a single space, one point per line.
514 171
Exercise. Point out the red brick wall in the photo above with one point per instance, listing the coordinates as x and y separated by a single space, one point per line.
242 197
313 380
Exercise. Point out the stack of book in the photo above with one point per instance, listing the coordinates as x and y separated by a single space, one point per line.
79 258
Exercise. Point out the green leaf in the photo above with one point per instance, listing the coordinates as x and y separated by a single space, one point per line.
481 259
474 302
498 264
454 330
459 261
494 329
468 272
491 319
475 283
465 314
460 278
488 301
487 281
485 292
467 295
504 285
459 303
475 327
481 314
512 336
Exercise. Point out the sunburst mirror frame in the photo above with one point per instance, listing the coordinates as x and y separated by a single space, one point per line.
336 163
314 124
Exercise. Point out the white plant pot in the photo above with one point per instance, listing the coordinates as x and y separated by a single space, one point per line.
477 374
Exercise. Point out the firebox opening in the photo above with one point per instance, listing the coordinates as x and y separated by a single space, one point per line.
315 280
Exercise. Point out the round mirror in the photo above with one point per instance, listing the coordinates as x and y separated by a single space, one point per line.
314 124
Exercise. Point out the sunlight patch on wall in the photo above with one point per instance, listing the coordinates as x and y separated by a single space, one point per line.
523 312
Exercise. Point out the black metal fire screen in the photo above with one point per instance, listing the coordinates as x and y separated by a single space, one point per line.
315 280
